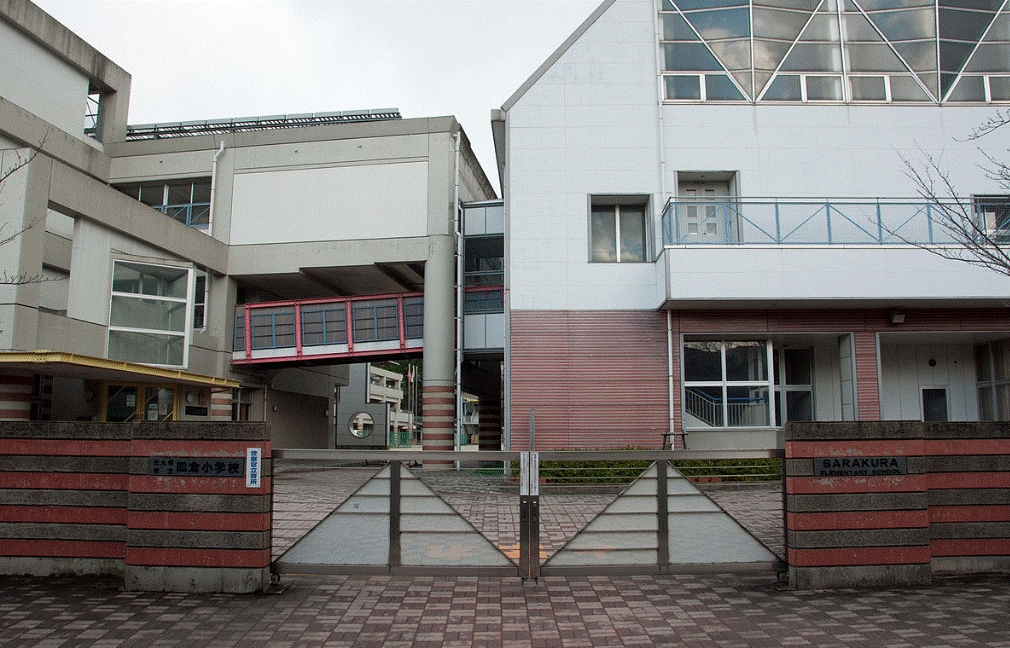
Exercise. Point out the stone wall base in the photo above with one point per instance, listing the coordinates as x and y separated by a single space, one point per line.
197 579
37 566
963 565
859 577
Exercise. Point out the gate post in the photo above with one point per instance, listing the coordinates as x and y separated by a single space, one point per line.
394 514
529 515
663 514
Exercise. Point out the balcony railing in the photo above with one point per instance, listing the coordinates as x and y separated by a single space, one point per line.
317 328
787 222
193 214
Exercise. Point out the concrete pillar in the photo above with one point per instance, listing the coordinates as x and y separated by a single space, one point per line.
867 376
438 405
220 403
15 398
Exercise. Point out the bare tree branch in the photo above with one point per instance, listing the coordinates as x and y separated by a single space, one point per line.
19 161
975 239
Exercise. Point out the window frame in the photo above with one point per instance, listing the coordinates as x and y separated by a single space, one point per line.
185 335
724 384
642 202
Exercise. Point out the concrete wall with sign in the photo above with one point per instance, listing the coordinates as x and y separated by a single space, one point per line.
169 507
880 504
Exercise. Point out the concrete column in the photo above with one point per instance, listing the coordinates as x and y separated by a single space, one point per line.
220 404
439 399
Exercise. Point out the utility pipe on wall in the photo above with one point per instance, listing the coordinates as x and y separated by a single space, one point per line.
457 230
213 188
669 363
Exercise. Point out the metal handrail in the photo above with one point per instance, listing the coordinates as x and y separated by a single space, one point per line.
744 221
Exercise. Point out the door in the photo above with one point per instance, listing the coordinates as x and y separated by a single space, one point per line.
934 404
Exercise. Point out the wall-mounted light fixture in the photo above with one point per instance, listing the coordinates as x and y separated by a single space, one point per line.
897 317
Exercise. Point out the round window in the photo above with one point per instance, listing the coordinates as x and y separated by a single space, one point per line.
361 425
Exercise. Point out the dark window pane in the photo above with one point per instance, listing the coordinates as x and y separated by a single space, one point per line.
746 361
999 88
201 191
152 194
676 28
604 234
726 23
868 89
784 88
969 88
703 407
826 88
632 233
798 367
814 57
180 194
689 57
683 87
799 406
721 88
702 361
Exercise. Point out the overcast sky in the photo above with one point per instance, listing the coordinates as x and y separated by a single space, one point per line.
207 60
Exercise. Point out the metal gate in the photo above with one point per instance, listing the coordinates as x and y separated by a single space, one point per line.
395 523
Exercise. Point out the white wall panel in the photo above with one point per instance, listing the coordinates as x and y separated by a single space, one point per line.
40 83
906 370
332 203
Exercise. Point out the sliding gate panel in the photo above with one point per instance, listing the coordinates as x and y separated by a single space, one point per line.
661 523
395 523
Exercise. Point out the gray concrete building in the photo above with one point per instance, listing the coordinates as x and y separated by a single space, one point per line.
221 270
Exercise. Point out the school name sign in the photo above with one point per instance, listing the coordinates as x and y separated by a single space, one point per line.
859 466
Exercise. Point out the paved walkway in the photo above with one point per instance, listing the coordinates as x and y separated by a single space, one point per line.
365 611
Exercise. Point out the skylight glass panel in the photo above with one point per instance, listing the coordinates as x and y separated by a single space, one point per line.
722 24
689 57
968 88
675 28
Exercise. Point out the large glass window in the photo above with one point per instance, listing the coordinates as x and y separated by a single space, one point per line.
187 201
992 373
618 232
149 319
727 384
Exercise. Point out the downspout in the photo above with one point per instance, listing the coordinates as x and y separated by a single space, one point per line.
213 188
457 231
669 363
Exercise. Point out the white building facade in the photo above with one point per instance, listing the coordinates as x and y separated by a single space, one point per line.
708 217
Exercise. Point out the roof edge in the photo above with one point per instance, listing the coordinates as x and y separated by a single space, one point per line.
76 359
553 58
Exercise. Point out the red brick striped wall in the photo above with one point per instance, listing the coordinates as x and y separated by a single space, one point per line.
949 514
867 382
596 379
88 484
599 378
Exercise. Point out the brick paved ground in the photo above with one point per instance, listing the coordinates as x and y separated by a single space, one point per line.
370 611
705 610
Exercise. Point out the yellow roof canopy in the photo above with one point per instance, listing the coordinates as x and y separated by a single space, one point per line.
73 365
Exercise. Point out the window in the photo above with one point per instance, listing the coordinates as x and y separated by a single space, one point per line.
617 231
148 315
794 394
94 115
187 201
483 274
200 301
139 402
992 373
993 213
727 384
